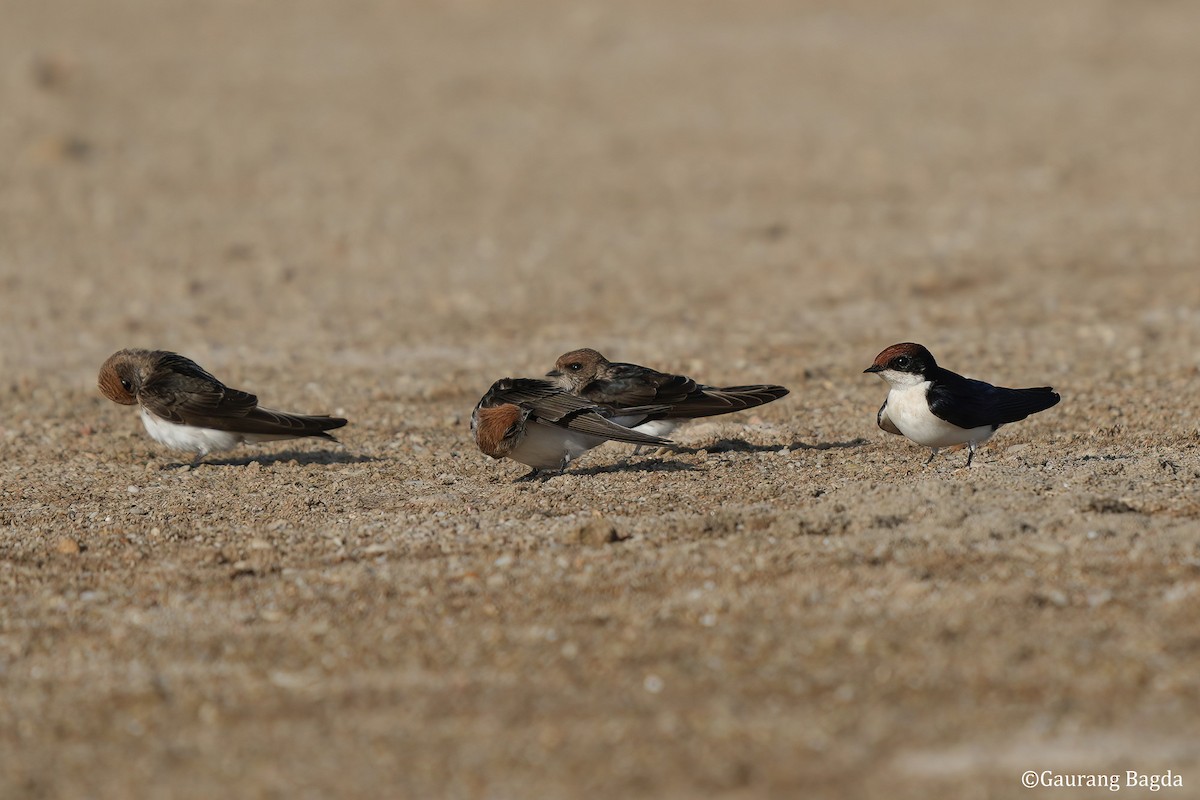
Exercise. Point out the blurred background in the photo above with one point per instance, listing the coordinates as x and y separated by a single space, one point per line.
404 185
376 209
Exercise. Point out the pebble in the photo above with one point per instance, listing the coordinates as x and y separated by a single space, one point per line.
599 531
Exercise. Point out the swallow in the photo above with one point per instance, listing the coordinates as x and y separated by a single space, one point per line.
544 427
623 386
937 408
185 408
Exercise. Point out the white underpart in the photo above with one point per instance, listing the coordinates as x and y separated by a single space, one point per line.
659 427
545 446
908 409
188 437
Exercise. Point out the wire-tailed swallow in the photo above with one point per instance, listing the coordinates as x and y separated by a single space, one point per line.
544 427
937 408
186 408
587 373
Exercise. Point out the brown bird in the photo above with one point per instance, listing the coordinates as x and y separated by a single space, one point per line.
186 408
587 373
538 424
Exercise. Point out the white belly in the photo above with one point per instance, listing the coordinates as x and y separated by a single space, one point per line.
908 409
551 447
188 437
658 427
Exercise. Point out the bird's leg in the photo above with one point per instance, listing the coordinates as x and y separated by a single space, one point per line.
932 455
971 454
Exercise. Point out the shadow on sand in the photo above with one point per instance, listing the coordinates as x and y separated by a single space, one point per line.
646 465
301 457
742 446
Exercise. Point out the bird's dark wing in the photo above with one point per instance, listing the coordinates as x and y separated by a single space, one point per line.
181 391
708 401
632 385
553 402
550 405
969 403
593 424
265 422
627 385
885 422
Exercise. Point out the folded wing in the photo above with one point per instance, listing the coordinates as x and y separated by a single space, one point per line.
632 385
971 404
885 422
188 395
550 405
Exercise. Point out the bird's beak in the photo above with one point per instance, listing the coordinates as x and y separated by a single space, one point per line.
554 373
873 368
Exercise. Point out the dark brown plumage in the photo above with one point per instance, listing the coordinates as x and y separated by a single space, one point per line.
172 390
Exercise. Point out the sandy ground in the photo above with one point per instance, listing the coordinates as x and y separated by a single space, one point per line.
377 209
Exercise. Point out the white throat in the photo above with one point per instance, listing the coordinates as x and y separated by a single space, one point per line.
902 380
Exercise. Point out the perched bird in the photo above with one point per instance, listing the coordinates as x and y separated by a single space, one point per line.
937 408
588 374
540 425
186 408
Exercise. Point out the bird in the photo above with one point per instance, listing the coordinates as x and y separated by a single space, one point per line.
589 374
542 426
185 408
937 408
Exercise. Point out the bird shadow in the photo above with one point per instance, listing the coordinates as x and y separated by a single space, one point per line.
647 465
742 446
300 457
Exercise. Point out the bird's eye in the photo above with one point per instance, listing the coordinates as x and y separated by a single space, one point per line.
903 362
575 367
127 385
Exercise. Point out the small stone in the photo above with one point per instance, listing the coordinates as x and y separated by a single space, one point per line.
67 546
1052 597
599 531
